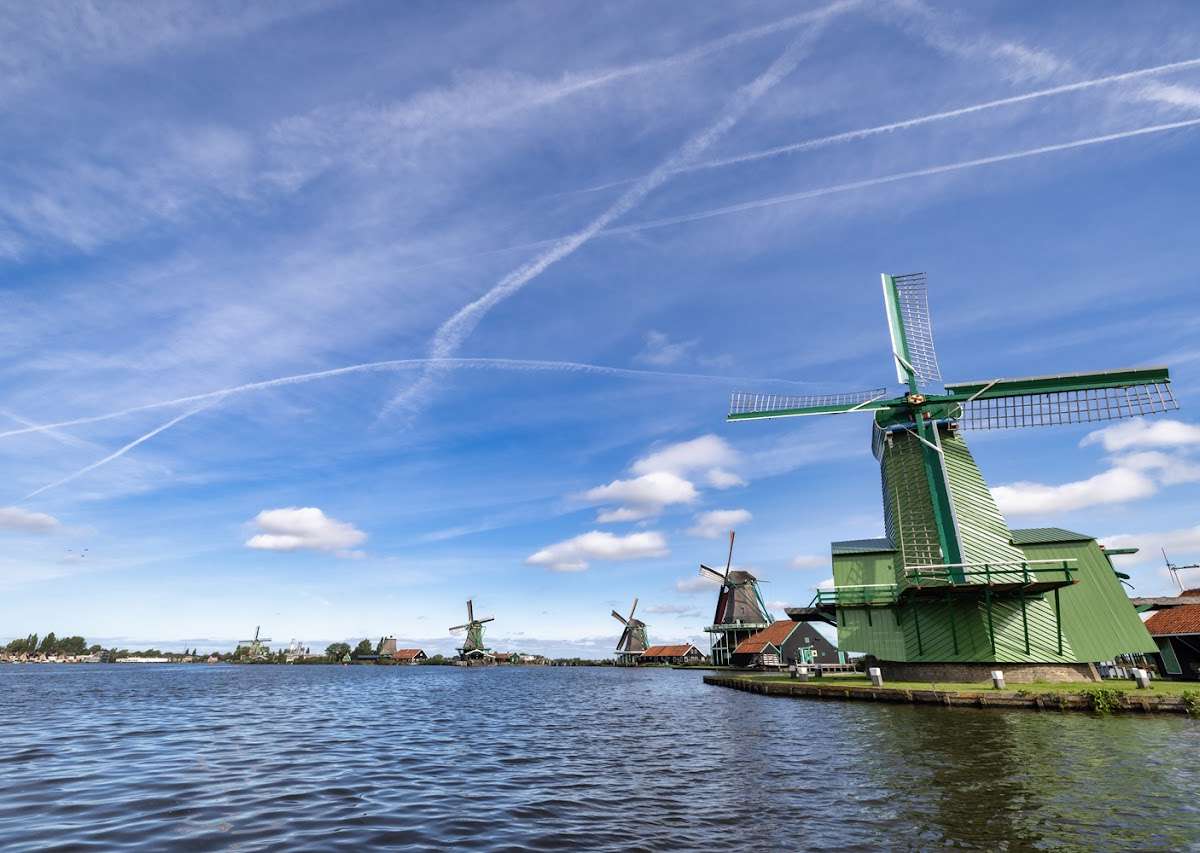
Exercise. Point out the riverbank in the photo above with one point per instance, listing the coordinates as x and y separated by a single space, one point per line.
1116 696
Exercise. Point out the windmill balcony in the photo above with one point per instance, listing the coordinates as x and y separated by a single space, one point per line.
1023 577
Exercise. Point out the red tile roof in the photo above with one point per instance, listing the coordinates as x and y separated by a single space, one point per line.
1184 619
774 634
407 654
667 651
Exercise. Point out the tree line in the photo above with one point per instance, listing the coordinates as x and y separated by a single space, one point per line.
51 645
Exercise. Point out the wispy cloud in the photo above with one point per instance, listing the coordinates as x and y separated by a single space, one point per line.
1185 97
451 334
714 523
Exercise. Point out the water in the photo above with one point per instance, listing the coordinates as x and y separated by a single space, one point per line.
319 758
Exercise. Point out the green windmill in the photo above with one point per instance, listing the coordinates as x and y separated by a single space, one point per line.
951 584
472 650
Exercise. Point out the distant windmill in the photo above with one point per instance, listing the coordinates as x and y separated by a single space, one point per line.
472 647
1175 570
741 611
258 646
633 639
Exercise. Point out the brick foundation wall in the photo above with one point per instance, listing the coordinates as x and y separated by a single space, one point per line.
1014 673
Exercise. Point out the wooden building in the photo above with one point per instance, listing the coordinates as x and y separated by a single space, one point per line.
679 654
409 656
782 643
1176 632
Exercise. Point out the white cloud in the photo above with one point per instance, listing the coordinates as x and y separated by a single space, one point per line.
15 518
719 478
1184 539
694 585
642 497
710 525
661 351
305 529
1117 485
809 561
673 609
1141 432
1171 470
778 605
572 555
828 583
706 452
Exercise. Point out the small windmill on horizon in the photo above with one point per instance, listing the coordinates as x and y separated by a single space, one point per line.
257 647
633 639
472 649
741 611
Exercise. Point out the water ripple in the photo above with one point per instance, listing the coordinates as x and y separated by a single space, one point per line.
429 758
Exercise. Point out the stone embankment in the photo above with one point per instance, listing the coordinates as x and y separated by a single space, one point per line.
1095 700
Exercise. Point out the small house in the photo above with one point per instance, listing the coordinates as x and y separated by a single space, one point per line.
678 654
783 643
409 656
1176 632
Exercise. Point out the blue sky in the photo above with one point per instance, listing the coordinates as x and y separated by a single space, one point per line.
600 218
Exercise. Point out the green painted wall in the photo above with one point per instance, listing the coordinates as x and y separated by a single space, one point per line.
1097 614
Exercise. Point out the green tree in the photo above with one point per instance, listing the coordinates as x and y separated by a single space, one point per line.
363 649
337 651
49 642
75 645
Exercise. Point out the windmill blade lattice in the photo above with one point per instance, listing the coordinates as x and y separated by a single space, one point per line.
912 303
784 405
994 406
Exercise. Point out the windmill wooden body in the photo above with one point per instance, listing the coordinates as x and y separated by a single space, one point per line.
473 650
951 584
633 639
741 611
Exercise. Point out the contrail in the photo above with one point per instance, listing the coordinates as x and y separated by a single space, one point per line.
116 454
899 176
453 332
863 133
515 364
63 437
814 16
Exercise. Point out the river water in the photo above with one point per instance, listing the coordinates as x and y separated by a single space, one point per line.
159 757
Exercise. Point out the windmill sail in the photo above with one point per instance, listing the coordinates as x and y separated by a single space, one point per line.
905 298
743 406
1070 398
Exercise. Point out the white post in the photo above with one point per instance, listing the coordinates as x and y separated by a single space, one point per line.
1142 678
876 676
997 679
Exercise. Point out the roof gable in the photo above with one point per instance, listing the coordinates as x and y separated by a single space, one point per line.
776 634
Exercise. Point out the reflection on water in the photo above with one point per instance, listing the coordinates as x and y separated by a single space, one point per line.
194 757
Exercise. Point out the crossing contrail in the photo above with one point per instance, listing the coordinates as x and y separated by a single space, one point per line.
451 334
116 454
899 176
863 133
513 364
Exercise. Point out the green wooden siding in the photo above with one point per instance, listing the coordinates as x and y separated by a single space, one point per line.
1097 614
984 534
